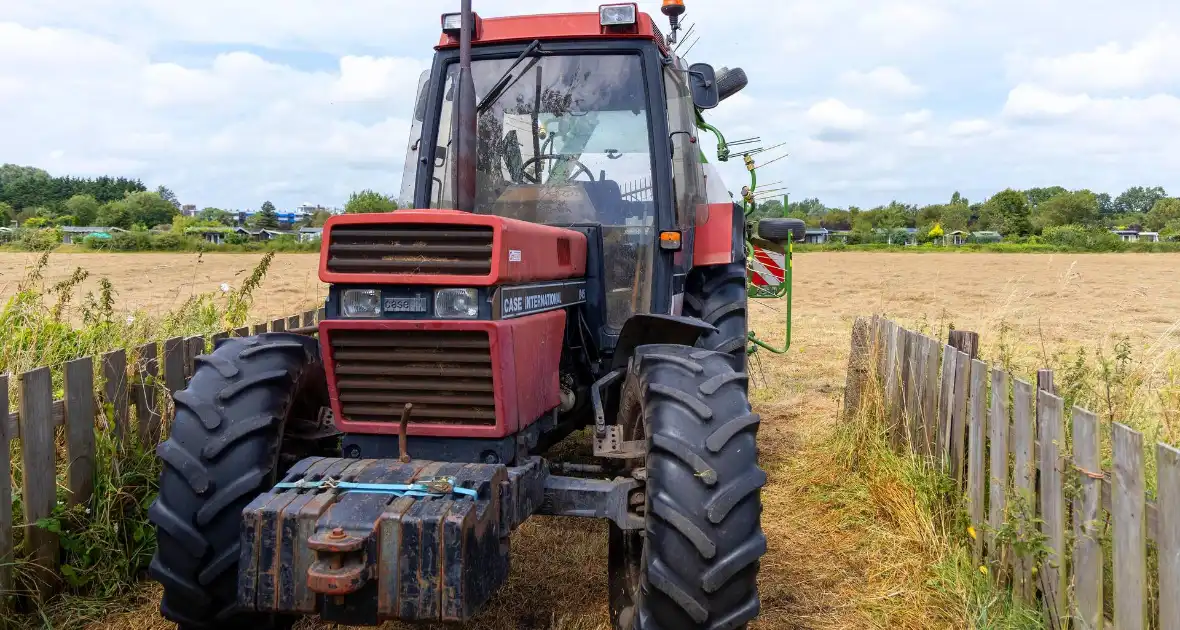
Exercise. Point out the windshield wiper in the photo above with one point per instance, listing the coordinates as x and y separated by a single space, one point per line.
502 84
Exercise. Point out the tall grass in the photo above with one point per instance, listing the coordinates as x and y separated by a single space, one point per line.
106 543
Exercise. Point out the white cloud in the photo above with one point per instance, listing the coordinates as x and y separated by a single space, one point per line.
916 118
1153 61
834 121
885 80
967 128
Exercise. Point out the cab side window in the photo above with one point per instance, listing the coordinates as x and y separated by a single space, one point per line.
687 177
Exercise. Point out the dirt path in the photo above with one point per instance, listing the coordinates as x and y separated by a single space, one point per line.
827 566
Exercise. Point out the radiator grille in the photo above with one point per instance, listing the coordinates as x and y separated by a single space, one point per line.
455 250
447 375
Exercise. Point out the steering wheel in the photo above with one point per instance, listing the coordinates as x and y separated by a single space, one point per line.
533 179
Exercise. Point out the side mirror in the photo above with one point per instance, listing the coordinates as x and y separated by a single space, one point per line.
702 80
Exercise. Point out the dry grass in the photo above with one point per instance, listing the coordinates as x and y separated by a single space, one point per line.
849 547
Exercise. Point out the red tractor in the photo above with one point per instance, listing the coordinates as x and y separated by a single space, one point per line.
571 263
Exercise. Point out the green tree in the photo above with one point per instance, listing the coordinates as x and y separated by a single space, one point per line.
318 218
266 218
36 222
1162 213
1139 199
149 209
1008 212
114 214
1105 203
956 216
217 215
1073 208
369 201
84 208
1037 196
166 194
7 214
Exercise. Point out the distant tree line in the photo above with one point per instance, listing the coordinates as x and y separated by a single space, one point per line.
1017 214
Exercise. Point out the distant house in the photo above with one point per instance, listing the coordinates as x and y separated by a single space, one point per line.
310 234
898 236
216 235
956 238
986 236
1135 236
959 237
266 235
73 234
839 235
6 234
816 236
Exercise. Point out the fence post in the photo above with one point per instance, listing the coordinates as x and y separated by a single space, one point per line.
998 424
1130 531
79 421
1050 423
1087 526
1023 474
293 322
278 325
892 380
193 348
6 551
858 368
174 364
38 473
308 318
1168 487
964 341
259 329
913 405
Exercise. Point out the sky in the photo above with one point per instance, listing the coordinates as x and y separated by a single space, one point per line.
232 103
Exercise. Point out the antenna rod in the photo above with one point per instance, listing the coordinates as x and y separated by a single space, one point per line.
464 118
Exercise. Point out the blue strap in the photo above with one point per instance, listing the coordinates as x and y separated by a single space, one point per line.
424 489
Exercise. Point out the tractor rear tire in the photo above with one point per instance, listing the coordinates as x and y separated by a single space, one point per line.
717 295
695 566
226 447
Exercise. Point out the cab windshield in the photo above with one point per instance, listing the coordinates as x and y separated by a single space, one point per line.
565 142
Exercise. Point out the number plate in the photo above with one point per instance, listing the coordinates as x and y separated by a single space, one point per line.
405 305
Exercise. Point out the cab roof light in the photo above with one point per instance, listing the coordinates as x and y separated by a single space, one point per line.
452 23
618 16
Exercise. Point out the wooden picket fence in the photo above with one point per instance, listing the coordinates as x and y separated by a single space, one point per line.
109 397
1008 441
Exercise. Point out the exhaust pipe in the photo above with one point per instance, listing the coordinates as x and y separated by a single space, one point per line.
464 122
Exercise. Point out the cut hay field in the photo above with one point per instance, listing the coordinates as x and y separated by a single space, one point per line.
827 567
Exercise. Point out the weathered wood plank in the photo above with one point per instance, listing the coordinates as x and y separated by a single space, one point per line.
308 318
321 314
278 325
976 474
905 425
147 412
114 374
219 337
174 364
244 331
946 404
1023 476
1130 536
259 329
858 368
930 397
38 473
964 341
882 350
1168 489
998 424
916 368
193 348
1045 381
79 421
892 378
1087 524
959 418
1051 425
6 531
293 322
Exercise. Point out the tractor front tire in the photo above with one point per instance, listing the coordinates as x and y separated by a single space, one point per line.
225 448
695 565
717 295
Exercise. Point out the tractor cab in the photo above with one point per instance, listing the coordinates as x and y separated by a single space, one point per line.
584 121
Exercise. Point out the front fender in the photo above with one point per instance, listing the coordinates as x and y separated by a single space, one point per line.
651 328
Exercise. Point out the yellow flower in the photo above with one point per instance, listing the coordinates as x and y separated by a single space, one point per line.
983 570
971 532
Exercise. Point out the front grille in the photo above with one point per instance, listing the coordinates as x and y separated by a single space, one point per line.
447 375
454 250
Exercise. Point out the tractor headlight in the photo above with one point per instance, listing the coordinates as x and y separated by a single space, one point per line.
456 304
617 14
361 303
